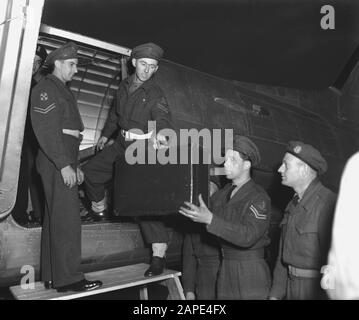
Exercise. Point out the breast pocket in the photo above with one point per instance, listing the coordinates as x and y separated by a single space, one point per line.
68 108
139 112
63 107
303 228
307 240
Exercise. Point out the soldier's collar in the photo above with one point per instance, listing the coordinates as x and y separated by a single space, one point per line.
308 193
56 80
244 188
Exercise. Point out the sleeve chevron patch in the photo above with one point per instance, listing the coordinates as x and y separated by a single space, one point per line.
257 214
162 105
45 110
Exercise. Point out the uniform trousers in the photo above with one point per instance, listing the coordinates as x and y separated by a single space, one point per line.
243 278
99 171
206 278
61 231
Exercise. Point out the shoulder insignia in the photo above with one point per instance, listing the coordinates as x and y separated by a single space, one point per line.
45 110
44 96
297 149
257 209
162 104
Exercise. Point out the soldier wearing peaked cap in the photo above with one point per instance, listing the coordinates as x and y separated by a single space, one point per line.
147 50
65 52
138 100
57 125
239 217
306 225
248 149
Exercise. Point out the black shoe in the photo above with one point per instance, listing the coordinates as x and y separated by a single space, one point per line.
83 285
98 216
157 266
48 284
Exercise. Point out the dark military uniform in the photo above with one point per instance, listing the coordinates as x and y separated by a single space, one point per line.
304 244
242 227
131 110
200 263
54 108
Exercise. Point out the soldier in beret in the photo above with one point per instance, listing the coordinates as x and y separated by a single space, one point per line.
306 225
239 217
138 100
57 125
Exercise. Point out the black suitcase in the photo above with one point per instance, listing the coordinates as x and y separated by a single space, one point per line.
159 189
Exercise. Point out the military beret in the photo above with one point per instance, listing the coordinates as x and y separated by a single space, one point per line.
147 50
41 52
67 51
248 148
308 154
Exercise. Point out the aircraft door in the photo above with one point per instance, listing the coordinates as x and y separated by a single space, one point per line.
19 28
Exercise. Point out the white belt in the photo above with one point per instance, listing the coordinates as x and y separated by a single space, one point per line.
303 273
75 133
134 136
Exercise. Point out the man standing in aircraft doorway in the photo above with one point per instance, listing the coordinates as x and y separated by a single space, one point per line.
239 217
306 226
138 100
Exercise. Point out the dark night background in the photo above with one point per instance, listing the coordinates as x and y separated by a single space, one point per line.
278 42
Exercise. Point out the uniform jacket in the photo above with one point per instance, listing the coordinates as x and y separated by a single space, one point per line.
243 222
53 108
134 110
305 235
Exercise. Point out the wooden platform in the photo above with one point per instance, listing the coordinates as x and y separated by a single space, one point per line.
113 279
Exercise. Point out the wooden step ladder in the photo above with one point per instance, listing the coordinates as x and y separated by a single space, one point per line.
113 279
